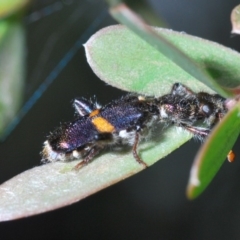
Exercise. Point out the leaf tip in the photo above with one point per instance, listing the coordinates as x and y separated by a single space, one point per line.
235 20
193 183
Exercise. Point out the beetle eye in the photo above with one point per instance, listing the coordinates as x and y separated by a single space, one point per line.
206 109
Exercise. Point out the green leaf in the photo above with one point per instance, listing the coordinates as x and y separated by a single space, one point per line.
235 20
56 185
9 7
127 17
214 152
125 61
12 63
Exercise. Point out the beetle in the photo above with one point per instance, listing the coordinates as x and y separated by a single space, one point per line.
127 120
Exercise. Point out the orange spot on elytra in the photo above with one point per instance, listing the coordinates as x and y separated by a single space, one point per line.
94 113
102 125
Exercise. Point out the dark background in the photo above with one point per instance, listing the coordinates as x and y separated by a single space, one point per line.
151 204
